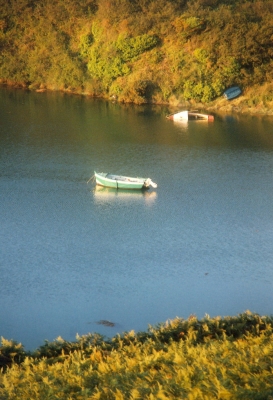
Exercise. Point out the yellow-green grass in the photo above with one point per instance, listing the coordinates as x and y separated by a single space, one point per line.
212 358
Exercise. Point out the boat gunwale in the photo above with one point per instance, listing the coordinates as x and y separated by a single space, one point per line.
122 178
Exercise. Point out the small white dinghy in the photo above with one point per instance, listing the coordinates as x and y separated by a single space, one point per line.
123 182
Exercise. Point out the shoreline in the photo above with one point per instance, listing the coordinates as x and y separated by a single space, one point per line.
212 358
239 105
232 327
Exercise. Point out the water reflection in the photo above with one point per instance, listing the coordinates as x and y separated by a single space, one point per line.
185 123
189 126
102 195
182 124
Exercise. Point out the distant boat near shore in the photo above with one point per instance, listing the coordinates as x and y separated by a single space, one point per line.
189 115
232 92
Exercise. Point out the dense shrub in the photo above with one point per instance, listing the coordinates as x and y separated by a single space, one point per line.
212 358
188 49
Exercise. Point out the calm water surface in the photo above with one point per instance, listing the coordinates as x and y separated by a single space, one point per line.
71 255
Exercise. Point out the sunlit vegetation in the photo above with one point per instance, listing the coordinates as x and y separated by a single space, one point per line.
212 358
141 50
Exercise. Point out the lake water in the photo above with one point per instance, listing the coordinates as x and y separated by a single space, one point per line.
72 255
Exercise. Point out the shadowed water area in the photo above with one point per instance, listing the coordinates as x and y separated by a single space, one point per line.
76 259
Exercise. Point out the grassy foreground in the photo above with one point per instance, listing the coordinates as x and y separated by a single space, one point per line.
212 358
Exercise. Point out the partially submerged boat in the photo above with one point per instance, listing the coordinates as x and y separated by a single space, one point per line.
190 115
123 182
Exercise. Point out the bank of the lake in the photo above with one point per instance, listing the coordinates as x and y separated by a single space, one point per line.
141 51
211 358
251 101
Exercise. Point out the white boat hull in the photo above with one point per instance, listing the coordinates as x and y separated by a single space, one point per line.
123 182
190 115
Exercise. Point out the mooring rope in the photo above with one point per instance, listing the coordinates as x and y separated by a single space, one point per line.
92 177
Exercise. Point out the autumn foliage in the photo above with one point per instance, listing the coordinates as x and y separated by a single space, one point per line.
140 50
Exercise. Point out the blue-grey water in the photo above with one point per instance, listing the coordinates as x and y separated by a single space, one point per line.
72 255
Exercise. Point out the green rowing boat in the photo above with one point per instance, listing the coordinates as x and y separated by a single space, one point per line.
123 182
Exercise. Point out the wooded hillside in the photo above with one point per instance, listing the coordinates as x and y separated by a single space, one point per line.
138 50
